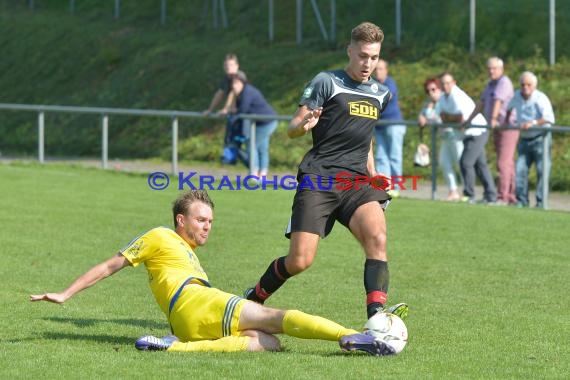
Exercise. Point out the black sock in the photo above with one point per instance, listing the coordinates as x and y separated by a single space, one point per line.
376 280
275 276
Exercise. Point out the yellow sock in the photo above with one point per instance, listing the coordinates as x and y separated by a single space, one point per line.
306 326
225 344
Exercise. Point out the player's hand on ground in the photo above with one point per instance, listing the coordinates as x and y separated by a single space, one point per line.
50 297
312 118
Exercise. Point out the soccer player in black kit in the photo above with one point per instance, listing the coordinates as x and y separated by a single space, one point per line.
340 108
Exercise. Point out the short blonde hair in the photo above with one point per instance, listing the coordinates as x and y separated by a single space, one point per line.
182 204
366 32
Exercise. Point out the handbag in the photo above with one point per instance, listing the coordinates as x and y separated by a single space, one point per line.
421 157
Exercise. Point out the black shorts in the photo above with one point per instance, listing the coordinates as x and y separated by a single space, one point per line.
315 209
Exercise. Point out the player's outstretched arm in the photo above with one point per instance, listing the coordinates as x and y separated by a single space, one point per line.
89 278
303 121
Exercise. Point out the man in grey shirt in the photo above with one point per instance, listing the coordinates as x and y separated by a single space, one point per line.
456 107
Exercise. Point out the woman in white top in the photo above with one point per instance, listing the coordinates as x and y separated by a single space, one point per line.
451 145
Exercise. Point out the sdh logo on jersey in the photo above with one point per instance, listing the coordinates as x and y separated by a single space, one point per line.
363 109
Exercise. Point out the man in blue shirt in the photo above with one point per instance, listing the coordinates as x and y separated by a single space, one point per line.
533 109
389 138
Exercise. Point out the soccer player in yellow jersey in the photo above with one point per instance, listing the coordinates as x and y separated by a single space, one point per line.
203 318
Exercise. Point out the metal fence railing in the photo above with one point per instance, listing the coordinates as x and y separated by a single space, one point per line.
545 151
249 124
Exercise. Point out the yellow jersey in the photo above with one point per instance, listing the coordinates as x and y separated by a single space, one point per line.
169 261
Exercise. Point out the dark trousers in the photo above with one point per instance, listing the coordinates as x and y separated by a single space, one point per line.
474 162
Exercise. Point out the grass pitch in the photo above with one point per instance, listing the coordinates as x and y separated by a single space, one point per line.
488 287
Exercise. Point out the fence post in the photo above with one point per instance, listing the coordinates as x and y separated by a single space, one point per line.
117 13
333 21
162 12
545 168
174 145
552 18
299 22
472 26
41 137
319 20
398 22
270 16
433 151
105 142
223 14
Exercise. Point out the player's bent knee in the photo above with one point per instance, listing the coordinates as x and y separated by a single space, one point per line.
298 265
260 341
375 247
379 240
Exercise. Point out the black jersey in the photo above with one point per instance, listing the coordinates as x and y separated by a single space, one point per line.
342 137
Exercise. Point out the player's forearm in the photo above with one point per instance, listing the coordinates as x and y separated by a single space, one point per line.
88 279
496 110
94 275
296 128
216 100
230 102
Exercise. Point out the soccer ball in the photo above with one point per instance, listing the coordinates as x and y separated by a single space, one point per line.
388 328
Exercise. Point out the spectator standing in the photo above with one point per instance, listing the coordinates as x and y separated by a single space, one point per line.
533 109
493 103
389 138
451 145
250 100
231 68
456 107
233 132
